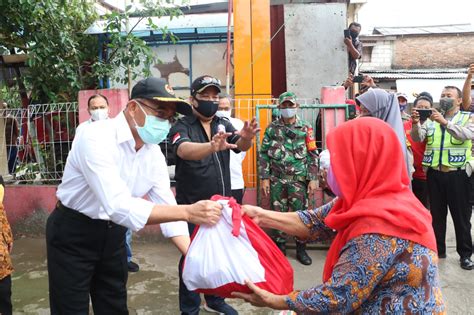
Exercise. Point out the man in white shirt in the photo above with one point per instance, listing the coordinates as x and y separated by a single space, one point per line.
98 109
113 163
236 177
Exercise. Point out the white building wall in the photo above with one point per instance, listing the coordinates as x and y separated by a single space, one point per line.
382 55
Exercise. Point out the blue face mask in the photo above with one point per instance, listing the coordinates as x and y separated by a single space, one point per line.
155 129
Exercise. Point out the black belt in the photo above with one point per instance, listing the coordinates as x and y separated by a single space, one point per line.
80 216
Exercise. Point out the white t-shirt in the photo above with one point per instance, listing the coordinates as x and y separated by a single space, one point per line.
236 177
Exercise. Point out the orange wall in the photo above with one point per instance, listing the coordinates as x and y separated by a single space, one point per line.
252 60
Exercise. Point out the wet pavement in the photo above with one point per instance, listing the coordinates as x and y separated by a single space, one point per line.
154 289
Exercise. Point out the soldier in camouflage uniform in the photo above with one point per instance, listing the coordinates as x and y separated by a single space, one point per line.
288 166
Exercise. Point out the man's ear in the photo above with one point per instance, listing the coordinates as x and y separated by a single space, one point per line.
132 108
192 101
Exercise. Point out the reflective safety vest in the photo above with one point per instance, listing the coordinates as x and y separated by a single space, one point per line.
444 149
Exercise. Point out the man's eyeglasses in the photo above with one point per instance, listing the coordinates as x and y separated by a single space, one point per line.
155 110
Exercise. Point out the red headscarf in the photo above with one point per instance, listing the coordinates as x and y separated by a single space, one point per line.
369 167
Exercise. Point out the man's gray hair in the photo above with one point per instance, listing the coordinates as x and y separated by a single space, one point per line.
227 96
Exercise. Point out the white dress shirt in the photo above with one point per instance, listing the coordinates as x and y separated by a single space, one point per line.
236 177
105 177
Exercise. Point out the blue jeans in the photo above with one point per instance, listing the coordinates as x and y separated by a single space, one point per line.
128 244
12 154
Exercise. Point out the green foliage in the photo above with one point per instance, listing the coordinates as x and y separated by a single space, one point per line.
52 33
127 52
11 96
62 59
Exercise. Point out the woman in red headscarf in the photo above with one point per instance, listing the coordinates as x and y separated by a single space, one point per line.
383 256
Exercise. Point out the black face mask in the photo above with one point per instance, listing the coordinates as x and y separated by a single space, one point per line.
354 35
207 108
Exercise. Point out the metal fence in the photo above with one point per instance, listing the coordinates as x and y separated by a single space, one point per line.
37 152
37 141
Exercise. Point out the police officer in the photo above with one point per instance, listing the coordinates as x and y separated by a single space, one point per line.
288 163
448 134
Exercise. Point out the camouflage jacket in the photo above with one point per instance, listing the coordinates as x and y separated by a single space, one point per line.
284 151
6 239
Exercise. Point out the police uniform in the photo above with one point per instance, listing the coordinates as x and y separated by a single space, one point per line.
448 149
288 158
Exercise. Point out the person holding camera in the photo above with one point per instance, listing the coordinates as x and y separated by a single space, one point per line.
353 44
288 164
448 134
422 105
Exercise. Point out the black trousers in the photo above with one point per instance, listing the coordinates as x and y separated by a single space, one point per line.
451 189
85 257
420 190
6 296
238 195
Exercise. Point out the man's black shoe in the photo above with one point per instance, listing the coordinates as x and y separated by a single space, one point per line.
133 267
282 247
303 258
442 255
467 264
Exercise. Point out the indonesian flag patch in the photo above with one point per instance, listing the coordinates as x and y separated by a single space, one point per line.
176 137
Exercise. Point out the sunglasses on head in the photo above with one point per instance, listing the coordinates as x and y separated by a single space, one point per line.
210 80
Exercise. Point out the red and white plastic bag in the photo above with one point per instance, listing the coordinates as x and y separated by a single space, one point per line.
222 256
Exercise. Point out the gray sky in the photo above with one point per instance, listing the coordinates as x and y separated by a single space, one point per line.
415 13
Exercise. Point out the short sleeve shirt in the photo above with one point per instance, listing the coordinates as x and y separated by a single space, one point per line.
200 180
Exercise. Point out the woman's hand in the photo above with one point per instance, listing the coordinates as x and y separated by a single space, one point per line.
262 298
253 212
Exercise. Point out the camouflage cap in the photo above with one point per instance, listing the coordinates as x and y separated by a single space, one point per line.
287 97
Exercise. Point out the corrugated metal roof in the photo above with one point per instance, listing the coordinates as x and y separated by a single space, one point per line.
193 21
417 74
419 30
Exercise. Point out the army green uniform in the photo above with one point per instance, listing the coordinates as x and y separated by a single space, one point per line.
287 162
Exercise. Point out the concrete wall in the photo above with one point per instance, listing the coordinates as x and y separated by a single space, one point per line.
314 46
434 51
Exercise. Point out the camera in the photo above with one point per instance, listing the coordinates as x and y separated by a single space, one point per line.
358 78
347 33
424 113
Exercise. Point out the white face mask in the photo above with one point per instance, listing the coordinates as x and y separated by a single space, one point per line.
223 113
99 114
288 112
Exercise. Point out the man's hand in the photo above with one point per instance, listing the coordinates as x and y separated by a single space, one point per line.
415 116
470 70
262 298
436 116
219 142
368 81
348 83
249 130
265 184
312 186
348 42
204 212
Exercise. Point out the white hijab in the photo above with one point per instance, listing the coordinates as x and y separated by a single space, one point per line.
384 105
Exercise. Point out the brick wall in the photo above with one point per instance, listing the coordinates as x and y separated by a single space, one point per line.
433 51
381 59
